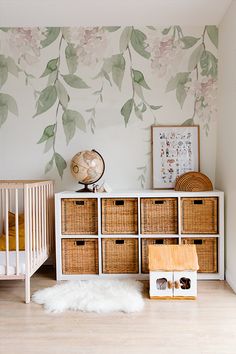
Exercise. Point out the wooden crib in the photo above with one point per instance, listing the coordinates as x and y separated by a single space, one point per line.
26 228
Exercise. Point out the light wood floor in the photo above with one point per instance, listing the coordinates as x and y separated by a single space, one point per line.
207 325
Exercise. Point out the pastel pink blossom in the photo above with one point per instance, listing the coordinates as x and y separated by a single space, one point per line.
25 42
164 52
90 43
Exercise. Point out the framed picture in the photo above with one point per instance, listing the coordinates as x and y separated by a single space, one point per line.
175 150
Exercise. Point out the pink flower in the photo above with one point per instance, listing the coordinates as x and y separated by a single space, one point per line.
90 43
165 53
25 42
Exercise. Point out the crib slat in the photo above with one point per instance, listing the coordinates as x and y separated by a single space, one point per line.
7 230
17 231
36 225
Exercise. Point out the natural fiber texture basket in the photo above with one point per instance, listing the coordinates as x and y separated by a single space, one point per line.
119 216
153 241
193 182
159 216
206 251
200 215
120 255
79 256
79 216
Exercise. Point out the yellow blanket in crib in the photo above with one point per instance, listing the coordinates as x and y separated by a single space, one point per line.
12 234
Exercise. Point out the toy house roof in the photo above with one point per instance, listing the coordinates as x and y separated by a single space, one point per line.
173 257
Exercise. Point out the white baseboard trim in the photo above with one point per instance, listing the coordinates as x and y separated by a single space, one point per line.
231 281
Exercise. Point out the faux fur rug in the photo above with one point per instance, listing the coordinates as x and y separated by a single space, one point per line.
101 296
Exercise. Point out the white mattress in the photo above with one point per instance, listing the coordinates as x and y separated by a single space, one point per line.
12 262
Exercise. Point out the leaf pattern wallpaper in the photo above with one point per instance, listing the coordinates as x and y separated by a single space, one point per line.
94 84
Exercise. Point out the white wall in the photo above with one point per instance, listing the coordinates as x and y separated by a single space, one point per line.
226 148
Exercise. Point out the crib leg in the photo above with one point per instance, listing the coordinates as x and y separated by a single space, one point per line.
27 290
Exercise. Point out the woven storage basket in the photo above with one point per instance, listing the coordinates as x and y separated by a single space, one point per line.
119 216
199 215
159 216
193 182
79 216
153 241
120 255
207 251
79 256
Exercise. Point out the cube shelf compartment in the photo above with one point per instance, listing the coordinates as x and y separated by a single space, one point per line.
108 234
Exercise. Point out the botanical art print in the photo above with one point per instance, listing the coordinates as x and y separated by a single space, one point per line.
175 151
71 73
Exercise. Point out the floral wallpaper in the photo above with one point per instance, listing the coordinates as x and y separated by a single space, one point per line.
87 65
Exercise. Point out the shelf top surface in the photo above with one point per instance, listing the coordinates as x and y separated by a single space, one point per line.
138 193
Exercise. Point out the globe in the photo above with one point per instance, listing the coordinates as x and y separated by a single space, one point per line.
87 167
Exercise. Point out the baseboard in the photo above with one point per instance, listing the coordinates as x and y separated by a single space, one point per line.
231 280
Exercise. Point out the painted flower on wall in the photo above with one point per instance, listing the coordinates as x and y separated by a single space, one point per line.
166 54
89 43
25 43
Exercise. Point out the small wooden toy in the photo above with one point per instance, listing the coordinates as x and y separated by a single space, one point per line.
173 272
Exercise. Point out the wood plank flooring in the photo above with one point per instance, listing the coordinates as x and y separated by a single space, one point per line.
204 326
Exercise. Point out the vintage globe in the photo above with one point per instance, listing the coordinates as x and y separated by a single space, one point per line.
87 167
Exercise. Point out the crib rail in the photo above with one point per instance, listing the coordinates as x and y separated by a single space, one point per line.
34 200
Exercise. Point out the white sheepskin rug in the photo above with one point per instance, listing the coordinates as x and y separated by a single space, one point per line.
101 296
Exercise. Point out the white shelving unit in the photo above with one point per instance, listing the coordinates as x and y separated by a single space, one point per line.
138 194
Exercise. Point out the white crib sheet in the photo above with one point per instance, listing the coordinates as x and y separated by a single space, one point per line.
12 262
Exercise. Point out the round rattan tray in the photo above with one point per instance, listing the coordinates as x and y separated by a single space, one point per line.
193 182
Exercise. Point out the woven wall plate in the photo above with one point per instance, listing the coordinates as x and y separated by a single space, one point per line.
193 182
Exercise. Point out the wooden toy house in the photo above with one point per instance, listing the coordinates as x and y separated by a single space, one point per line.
173 271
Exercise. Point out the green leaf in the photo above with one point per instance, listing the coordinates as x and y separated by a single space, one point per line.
107 65
49 165
71 58
181 94
144 108
10 102
12 67
51 35
166 30
75 81
48 144
152 28
208 64
138 43
139 79
60 163
46 100
112 28
3 113
3 70
125 38
127 109
71 120
52 78
138 113
48 133
4 29
189 41
62 94
188 122
179 79
155 107
212 32
51 66
195 57
118 69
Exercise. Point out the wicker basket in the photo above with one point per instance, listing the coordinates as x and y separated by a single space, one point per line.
79 256
79 216
199 215
119 216
193 182
153 241
207 251
120 255
159 216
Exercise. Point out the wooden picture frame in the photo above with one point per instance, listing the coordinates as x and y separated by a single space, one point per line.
175 150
